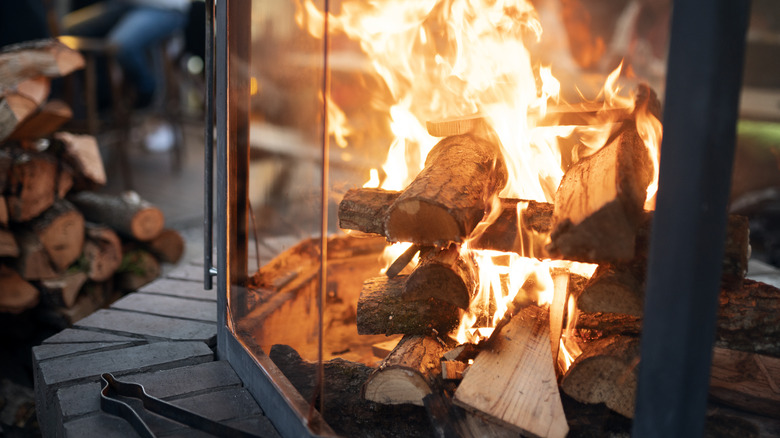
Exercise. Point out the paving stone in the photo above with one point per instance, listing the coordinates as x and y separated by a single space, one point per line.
152 326
74 336
49 351
258 425
168 306
221 405
99 426
192 273
180 288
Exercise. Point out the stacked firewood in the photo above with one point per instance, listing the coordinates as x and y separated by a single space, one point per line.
62 243
597 217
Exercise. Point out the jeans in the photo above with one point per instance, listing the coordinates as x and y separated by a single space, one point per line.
133 29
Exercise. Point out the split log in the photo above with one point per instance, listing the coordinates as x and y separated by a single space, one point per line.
455 125
102 252
60 229
32 185
442 274
3 212
168 246
606 372
384 348
560 277
448 198
449 421
138 269
83 154
49 118
402 261
749 318
127 214
453 369
33 262
599 202
522 227
16 294
614 289
8 246
30 59
381 309
64 290
36 89
747 381
408 374
514 381
14 109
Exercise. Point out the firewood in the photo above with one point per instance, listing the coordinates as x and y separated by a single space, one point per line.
366 209
606 372
455 125
30 59
127 214
442 274
14 109
168 246
8 246
63 290
528 238
453 369
32 185
48 119
60 229
402 261
598 325
384 348
102 252
381 309
749 318
451 421
747 381
138 268
599 202
33 262
408 374
614 289
16 294
449 196
64 182
3 212
36 89
82 152
514 381
560 277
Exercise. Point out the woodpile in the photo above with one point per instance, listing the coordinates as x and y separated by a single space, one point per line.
516 379
63 244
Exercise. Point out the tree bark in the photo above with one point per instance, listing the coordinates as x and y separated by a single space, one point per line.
449 196
381 309
408 374
102 252
16 294
128 214
599 202
442 274
60 229
746 381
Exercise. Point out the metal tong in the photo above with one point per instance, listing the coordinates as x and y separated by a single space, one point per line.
109 403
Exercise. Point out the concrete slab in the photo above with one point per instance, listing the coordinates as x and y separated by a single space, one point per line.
49 351
192 273
99 426
74 336
260 426
222 405
150 326
164 305
180 288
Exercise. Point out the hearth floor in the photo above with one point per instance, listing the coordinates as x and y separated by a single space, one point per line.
161 336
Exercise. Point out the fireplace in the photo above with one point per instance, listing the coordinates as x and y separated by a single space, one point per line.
304 115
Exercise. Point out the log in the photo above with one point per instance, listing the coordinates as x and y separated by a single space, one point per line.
409 373
455 125
381 309
3 212
127 214
442 274
33 262
746 381
32 185
102 252
514 381
528 236
749 319
366 209
36 89
16 294
14 109
64 290
606 372
138 269
60 229
30 59
168 246
448 198
599 202
560 277
402 261
48 119
8 246
450 421
83 154
598 325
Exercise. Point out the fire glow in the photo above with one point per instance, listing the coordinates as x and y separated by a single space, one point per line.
460 58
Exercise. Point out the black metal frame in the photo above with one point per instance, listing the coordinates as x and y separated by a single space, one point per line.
702 90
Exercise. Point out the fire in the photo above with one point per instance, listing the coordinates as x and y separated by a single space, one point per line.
456 58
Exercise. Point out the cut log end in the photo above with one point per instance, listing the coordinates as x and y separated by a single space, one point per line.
423 223
147 223
397 386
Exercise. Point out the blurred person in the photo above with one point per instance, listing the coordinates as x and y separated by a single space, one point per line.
133 26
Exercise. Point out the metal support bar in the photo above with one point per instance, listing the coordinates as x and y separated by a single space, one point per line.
208 204
702 93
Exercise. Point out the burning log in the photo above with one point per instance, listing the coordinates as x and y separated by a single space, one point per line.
102 252
599 202
606 372
442 274
746 381
16 294
60 229
381 309
128 214
366 209
514 380
404 259
408 373
448 198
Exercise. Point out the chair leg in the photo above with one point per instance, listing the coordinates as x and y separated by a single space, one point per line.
122 122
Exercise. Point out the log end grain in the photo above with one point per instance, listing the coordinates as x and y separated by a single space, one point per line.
16 294
423 223
397 386
147 223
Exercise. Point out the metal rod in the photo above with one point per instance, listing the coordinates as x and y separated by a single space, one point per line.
208 202
702 93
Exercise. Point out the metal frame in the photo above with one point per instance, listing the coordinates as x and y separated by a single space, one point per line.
703 83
